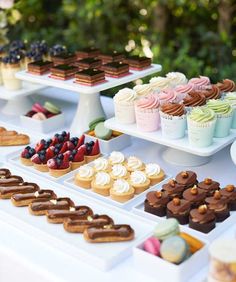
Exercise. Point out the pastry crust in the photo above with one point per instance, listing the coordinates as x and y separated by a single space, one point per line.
102 190
157 178
75 165
122 197
26 162
58 172
12 138
140 188
41 167
89 159
82 182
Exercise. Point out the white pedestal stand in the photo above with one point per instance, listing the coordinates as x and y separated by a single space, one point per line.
17 106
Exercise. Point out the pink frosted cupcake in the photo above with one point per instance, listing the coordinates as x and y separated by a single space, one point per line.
147 113
200 83
182 91
167 96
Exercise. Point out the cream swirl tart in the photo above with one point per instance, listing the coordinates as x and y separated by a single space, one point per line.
122 191
84 176
154 173
134 163
139 181
119 171
116 158
102 183
101 164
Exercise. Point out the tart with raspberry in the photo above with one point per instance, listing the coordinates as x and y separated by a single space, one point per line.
40 159
59 165
26 156
77 157
92 151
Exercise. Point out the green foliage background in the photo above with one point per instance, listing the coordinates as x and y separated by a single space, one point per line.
195 37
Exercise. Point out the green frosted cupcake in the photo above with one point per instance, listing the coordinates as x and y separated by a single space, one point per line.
201 126
231 97
224 115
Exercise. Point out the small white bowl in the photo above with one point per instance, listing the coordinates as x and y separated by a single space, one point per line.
115 144
43 126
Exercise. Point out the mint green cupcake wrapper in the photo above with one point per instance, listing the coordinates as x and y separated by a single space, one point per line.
201 124
228 115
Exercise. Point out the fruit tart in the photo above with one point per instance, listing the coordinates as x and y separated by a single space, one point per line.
59 165
26 156
92 151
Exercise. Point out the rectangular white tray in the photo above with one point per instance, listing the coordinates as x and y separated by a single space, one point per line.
69 182
216 232
103 256
70 85
180 144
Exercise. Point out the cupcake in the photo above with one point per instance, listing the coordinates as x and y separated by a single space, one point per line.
213 92
121 191
200 83
159 83
224 115
10 66
116 158
179 209
139 181
176 78
124 106
202 219
195 196
154 173
102 183
194 99
147 113
84 176
229 192
173 120
143 90
119 171
231 97
219 205
156 202
201 126
186 178
227 85
182 91
173 189
209 186
101 164
134 163
167 96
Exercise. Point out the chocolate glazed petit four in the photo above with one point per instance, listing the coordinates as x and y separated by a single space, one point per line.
202 219
186 178
209 186
116 69
63 72
179 209
229 192
39 67
195 196
90 77
219 205
156 202
173 189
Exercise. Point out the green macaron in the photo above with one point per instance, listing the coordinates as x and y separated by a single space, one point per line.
102 132
94 122
167 228
51 108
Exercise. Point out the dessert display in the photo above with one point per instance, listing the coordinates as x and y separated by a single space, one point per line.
199 204
170 244
12 138
90 77
118 177
116 69
138 63
61 154
63 72
39 67
75 219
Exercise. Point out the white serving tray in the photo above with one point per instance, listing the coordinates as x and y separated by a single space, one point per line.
179 144
70 85
216 232
69 182
165 271
103 256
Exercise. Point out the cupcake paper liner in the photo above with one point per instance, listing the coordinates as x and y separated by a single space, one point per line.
147 120
124 114
223 125
173 127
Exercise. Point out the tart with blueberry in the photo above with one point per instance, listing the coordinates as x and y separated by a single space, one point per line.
40 159
77 157
59 165
26 156
92 151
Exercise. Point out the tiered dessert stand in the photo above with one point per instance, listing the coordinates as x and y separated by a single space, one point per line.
89 107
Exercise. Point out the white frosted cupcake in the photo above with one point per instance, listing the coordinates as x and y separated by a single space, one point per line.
142 90
140 181
134 163
231 97
124 106
159 83
116 158
176 78
101 164
119 171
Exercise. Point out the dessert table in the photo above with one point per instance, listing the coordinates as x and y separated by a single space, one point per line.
23 258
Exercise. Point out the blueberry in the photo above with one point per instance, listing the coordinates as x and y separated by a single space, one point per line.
27 148
58 146
49 141
74 152
60 138
42 152
56 151
56 135
42 157
89 149
27 156
60 156
71 158
32 151
58 161
91 143
42 141
63 133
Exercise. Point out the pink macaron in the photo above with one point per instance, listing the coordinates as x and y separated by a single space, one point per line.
38 108
152 245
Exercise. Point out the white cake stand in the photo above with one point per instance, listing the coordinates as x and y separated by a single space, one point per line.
179 152
18 101
89 107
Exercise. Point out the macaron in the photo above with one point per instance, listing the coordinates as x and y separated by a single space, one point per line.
51 108
39 116
102 132
174 249
166 229
38 108
94 122
152 245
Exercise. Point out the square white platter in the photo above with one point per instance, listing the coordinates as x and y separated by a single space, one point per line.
103 256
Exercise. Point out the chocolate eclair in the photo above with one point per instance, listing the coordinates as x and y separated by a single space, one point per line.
186 178
4 173
109 233
77 212
173 188
179 209
219 205
22 200
11 180
79 225
156 202
26 187
209 186
41 207
195 196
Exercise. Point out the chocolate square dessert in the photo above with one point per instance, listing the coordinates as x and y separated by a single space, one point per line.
88 63
138 63
63 72
113 56
90 77
116 69
39 67
64 59
90 52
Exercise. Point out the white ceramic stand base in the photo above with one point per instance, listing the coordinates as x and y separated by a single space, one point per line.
181 158
17 106
88 109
